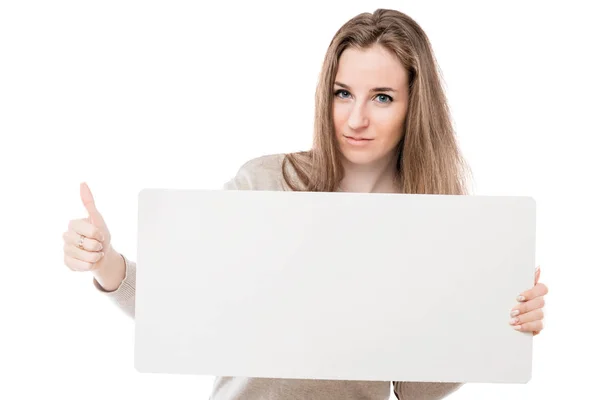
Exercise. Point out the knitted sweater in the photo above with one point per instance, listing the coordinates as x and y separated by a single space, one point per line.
264 173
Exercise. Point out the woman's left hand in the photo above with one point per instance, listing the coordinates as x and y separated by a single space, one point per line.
528 315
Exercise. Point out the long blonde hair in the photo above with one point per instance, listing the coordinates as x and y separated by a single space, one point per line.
429 160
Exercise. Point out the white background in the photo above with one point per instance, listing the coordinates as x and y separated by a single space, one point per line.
127 95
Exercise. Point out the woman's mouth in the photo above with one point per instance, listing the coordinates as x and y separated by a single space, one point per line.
357 141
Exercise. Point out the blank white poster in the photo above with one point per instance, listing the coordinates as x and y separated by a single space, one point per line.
352 286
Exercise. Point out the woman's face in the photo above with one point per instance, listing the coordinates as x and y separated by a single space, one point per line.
369 105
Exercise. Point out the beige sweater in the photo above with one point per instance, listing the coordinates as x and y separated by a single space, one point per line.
264 173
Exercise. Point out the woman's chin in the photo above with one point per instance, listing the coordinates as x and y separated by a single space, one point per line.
361 157
365 156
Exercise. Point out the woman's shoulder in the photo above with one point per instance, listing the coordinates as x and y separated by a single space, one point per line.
263 173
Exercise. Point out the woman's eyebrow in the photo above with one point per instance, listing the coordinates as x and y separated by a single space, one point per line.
376 89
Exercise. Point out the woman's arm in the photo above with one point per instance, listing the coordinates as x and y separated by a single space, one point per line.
425 390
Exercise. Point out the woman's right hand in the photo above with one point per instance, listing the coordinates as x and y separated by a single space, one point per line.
87 240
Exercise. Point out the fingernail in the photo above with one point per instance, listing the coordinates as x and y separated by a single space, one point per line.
514 313
517 327
520 298
514 321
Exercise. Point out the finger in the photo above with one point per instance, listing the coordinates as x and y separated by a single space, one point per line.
86 228
77 265
535 326
531 316
88 244
538 290
528 306
90 205
82 255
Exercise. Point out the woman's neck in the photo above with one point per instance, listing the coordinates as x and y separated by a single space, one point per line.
377 177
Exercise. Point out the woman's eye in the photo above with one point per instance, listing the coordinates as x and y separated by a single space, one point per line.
384 98
342 93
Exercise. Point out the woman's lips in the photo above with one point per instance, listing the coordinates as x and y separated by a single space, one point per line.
357 141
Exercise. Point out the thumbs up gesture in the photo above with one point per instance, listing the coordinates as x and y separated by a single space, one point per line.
87 240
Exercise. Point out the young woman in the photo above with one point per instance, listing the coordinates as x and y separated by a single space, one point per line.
382 125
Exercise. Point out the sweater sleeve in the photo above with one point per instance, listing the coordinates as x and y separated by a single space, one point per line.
124 295
425 390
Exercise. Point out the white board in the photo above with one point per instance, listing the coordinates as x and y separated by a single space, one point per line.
350 286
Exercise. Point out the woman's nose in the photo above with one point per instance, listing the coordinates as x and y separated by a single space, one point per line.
358 118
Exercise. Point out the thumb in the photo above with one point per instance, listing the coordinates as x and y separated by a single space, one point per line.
89 204
537 274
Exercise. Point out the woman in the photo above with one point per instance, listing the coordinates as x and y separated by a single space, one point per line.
382 125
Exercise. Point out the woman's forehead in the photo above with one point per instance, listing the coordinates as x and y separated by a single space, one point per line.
364 69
